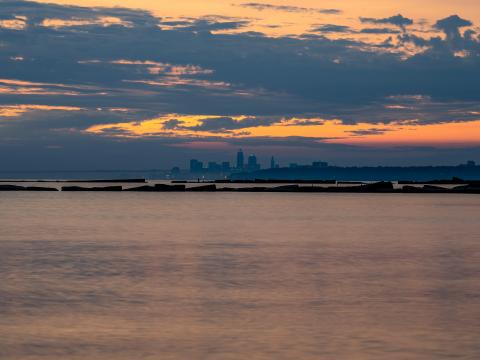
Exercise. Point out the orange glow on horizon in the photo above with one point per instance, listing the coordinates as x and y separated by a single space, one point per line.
331 131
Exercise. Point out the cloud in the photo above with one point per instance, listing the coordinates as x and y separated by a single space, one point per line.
206 24
371 131
287 8
379 31
452 25
303 122
177 81
332 28
15 23
224 124
220 124
104 21
34 14
9 111
21 87
156 68
455 44
397 20
173 124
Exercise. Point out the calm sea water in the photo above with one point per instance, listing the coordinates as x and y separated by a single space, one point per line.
239 276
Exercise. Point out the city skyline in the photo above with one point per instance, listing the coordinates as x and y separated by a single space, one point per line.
251 164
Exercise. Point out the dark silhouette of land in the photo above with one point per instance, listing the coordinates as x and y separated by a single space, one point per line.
364 173
157 188
103 188
465 187
78 181
257 181
25 188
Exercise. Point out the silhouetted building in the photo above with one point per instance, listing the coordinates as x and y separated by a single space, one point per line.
240 159
272 163
214 167
226 166
252 164
471 163
196 166
175 170
319 164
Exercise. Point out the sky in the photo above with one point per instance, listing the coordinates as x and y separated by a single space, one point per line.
124 84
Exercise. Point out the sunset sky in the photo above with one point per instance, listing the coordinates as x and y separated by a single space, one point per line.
110 84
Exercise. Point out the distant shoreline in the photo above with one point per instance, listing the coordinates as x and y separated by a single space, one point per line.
383 187
294 173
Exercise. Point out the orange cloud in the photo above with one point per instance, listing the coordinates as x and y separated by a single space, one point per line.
17 110
102 21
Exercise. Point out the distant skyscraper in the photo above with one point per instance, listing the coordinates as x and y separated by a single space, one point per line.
252 164
196 166
252 160
240 159
272 163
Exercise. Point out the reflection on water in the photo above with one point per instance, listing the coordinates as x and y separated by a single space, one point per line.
239 276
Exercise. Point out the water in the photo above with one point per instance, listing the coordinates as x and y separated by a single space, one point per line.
239 276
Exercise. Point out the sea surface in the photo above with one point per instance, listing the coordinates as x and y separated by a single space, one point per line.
239 276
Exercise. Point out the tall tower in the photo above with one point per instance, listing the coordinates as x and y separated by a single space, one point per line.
272 163
240 159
